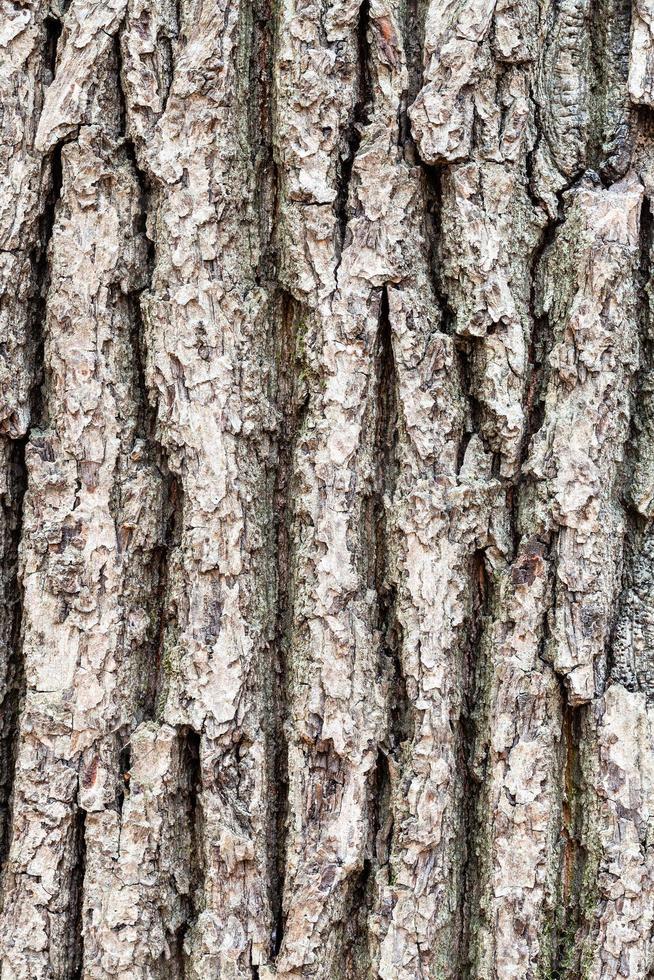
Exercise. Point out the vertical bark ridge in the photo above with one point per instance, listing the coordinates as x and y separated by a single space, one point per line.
29 193
84 479
209 371
629 659
616 918
152 668
331 756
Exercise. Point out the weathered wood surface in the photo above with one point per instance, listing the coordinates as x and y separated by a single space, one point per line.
327 443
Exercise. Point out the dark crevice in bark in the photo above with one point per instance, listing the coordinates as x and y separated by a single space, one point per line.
283 354
13 682
412 26
192 821
53 28
124 768
541 339
610 143
258 102
292 403
569 914
475 409
358 956
401 720
385 454
540 345
158 665
433 177
383 822
359 118
355 941
472 739
123 115
41 265
470 728
146 411
167 42
75 938
627 665
153 664
645 370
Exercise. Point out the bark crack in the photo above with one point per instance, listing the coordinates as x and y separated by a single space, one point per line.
359 119
292 405
14 681
473 747
567 948
75 951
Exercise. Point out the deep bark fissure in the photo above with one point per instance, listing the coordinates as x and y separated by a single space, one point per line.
638 525
359 118
172 505
573 852
53 28
356 959
387 468
292 405
413 37
155 667
75 938
540 345
357 955
609 27
473 751
258 103
124 766
541 335
192 815
41 264
12 507
433 177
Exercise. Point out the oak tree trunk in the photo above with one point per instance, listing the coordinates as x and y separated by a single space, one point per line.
327 494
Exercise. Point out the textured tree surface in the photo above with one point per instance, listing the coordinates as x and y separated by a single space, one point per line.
327 495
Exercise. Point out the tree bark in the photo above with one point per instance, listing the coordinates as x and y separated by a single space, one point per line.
327 495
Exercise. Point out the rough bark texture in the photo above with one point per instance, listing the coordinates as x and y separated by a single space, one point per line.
327 494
